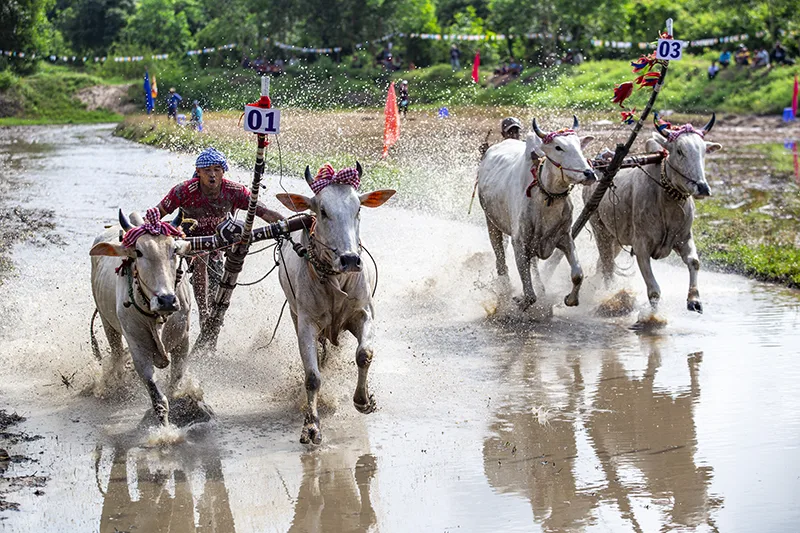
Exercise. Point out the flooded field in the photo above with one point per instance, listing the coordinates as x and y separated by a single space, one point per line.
488 420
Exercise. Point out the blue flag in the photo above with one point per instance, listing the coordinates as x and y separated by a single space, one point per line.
148 94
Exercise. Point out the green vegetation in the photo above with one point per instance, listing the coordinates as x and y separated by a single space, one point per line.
48 97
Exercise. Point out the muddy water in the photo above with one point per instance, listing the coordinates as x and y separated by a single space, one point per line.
488 420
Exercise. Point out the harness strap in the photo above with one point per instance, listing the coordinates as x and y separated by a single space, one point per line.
127 271
536 170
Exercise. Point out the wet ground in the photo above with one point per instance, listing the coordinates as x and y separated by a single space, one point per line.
488 420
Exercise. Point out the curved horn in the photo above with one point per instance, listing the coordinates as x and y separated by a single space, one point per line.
359 169
538 131
124 222
575 123
660 128
309 178
178 220
711 122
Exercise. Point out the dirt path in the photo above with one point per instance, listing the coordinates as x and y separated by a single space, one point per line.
111 97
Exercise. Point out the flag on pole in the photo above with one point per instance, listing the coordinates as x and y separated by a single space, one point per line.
391 127
794 97
154 88
148 93
475 66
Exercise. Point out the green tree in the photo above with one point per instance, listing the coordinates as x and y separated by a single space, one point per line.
159 25
24 28
91 26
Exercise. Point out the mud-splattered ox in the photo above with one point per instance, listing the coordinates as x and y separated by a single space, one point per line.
329 290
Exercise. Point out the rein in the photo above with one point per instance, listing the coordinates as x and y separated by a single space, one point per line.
536 171
671 191
128 269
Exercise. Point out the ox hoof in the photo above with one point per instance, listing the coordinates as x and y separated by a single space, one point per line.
160 360
524 302
311 435
694 305
570 301
369 407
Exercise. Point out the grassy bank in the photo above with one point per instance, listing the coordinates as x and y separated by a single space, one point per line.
749 225
48 97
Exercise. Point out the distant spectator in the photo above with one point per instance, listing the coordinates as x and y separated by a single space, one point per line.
742 56
725 59
197 116
761 58
713 70
514 67
412 66
455 56
779 55
403 97
511 128
172 103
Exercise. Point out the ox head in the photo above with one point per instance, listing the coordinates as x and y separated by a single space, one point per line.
337 207
564 149
685 166
155 257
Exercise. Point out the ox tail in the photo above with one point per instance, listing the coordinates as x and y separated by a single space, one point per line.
93 337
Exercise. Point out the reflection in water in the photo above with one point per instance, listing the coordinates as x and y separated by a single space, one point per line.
628 444
335 496
176 490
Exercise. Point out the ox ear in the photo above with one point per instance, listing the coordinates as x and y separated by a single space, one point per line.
294 202
113 250
712 147
586 140
377 198
660 139
533 146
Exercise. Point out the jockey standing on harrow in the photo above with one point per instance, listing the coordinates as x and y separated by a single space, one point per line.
207 198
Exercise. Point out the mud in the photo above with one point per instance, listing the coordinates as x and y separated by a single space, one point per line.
563 421
111 97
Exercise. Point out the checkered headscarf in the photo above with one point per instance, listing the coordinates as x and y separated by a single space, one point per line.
686 128
153 226
547 139
326 175
210 157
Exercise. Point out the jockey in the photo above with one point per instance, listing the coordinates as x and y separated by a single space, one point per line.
207 198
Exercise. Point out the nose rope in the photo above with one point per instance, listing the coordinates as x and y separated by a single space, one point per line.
536 171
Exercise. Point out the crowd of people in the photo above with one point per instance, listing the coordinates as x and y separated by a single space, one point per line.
173 102
758 58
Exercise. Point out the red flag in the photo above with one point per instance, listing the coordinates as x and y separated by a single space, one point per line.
475 66
391 126
794 97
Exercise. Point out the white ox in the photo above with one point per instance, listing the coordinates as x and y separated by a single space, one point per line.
329 290
145 305
651 209
535 211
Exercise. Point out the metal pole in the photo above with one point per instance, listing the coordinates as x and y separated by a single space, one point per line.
234 261
619 154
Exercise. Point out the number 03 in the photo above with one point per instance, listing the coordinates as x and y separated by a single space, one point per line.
669 49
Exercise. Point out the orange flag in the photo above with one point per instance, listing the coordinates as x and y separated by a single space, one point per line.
391 127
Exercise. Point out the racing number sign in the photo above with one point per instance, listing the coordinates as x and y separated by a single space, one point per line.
669 49
261 120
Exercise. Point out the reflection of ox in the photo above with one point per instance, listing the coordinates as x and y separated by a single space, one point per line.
329 290
144 302
529 200
651 208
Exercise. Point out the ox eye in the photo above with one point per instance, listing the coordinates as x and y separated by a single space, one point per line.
323 213
138 253
559 149
680 152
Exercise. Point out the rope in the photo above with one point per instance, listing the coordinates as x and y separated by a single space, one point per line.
375 264
93 337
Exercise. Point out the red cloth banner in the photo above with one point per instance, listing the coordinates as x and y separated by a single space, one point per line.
475 66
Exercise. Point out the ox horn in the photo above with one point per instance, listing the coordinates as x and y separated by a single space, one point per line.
575 123
538 131
660 127
309 178
710 124
178 220
124 222
359 169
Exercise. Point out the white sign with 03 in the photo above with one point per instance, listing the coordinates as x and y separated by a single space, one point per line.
669 49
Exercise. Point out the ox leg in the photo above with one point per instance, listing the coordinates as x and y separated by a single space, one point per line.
498 241
567 245
653 290
363 331
688 253
522 256
113 369
607 249
179 356
142 355
307 334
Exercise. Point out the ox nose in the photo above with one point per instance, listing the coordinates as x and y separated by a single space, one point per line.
167 302
703 190
350 262
589 175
